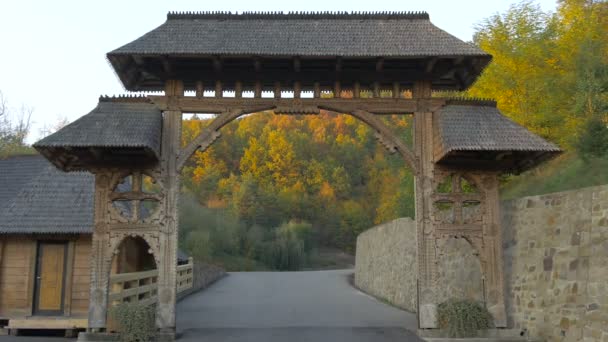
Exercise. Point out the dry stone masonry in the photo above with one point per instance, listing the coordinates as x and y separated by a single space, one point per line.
556 253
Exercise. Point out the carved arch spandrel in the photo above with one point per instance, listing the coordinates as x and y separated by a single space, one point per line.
116 239
208 136
387 138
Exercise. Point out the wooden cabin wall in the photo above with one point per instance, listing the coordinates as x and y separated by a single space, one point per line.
16 265
81 277
17 272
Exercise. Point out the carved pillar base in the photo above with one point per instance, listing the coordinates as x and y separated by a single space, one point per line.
165 308
492 253
428 316
98 296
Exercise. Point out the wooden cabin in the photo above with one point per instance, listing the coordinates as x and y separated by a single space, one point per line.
46 224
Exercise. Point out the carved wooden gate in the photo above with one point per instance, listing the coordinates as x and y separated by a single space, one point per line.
196 58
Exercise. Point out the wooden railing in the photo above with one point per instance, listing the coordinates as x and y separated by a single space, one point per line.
140 287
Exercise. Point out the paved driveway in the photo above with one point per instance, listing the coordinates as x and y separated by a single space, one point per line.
290 306
314 306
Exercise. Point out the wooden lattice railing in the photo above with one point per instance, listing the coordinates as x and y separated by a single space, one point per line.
140 287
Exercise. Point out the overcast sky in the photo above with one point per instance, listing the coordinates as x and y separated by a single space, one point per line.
52 53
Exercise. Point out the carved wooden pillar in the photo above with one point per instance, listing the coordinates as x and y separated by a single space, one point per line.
172 118
425 233
491 253
100 253
1 252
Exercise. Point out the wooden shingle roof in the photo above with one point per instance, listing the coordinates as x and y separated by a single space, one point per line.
208 47
300 34
45 200
480 136
117 130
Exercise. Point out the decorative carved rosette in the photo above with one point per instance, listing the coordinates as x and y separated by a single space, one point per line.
136 199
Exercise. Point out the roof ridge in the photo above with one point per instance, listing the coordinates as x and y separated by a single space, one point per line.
383 15
125 98
471 101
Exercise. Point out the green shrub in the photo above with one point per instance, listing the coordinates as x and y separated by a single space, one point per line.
463 318
135 322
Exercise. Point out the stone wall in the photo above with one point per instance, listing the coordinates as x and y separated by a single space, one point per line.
556 264
556 256
459 269
385 264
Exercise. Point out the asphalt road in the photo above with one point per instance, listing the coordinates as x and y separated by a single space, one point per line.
314 306
290 306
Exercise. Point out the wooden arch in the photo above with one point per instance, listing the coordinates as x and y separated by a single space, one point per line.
212 132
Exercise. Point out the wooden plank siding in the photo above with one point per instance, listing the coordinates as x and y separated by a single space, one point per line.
15 276
17 269
81 276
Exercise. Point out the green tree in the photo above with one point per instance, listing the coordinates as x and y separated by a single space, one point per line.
14 130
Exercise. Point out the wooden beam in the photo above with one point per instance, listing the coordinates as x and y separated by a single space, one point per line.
207 136
340 105
379 64
238 89
277 90
200 89
388 138
376 90
396 90
296 64
167 68
257 90
305 75
337 89
217 64
357 90
297 89
316 90
218 89
431 64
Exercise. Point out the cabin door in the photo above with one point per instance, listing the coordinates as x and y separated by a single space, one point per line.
50 278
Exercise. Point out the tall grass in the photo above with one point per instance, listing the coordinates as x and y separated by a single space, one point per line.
566 172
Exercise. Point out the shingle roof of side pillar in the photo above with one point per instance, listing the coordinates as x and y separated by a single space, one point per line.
480 136
118 130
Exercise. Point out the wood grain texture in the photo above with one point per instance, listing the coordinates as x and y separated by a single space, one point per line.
51 273
14 276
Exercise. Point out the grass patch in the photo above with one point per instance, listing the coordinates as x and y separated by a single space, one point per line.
566 172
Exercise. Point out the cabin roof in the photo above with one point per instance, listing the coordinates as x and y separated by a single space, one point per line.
44 199
16 172
127 127
464 131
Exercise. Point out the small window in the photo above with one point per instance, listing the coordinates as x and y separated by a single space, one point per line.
467 187
444 211
445 187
